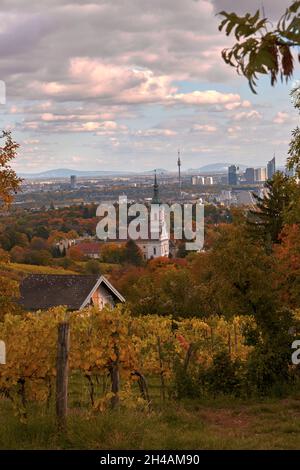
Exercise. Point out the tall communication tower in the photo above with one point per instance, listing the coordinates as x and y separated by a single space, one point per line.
179 172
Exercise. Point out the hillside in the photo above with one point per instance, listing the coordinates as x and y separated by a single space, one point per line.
17 271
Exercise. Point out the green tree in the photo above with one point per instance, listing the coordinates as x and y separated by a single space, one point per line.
272 210
293 162
239 276
42 232
133 254
236 274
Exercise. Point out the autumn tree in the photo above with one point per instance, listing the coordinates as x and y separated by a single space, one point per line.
75 253
55 237
4 256
262 48
17 254
9 293
112 253
9 181
38 257
287 266
38 243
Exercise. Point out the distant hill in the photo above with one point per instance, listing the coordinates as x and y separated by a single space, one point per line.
216 168
66 173
159 171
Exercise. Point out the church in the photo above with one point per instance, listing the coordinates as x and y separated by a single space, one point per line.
158 242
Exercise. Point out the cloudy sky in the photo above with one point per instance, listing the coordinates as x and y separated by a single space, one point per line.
122 84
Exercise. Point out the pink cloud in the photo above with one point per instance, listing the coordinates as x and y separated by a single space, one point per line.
281 117
248 116
208 97
204 128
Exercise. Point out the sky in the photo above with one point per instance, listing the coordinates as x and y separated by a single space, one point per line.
123 84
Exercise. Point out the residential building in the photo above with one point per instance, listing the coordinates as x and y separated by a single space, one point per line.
44 291
90 249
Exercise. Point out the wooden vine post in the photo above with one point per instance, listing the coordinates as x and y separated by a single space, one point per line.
162 377
115 373
62 370
229 343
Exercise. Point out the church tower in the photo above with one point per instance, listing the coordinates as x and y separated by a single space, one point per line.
155 197
157 244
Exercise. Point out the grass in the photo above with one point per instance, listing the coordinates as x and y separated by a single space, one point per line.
218 424
18 270
105 268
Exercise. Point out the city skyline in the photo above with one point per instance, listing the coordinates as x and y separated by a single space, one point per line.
125 94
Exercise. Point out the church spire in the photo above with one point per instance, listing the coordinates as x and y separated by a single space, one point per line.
155 198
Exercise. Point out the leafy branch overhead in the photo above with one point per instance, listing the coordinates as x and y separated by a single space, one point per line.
262 48
293 161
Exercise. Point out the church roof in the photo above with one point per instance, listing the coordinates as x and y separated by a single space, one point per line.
89 248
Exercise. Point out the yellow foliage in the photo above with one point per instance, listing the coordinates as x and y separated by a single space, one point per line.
102 339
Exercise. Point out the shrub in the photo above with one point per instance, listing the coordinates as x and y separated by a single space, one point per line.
224 376
92 267
269 363
185 384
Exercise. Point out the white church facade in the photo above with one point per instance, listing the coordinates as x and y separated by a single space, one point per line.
154 248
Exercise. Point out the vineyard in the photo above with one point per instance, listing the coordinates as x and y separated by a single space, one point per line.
113 356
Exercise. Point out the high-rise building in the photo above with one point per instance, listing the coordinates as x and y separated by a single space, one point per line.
249 175
198 180
233 175
260 175
73 181
271 168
